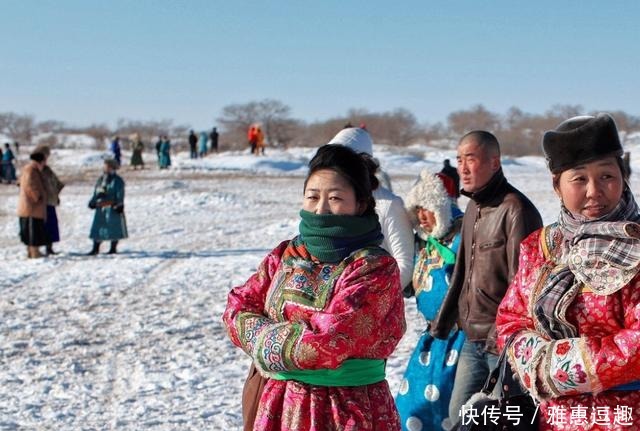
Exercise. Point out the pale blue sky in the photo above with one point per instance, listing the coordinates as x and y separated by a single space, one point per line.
91 61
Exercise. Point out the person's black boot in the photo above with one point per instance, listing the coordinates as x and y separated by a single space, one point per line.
49 250
114 247
95 249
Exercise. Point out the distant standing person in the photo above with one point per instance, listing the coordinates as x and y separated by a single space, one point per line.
193 141
452 173
158 148
109 222
136 155
115 149
16 145
9 170
252 137
260 143
53 186
202 144
165 153
213 137
32 205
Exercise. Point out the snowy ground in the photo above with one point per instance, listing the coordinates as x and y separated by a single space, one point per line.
135 341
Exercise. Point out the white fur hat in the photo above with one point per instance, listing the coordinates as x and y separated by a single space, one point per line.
356 138
429 193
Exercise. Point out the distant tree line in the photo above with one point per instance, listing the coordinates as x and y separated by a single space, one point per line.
519 132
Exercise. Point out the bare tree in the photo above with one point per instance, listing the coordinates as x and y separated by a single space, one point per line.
562 112
99 133
18 127
273 115
434 132
398 127
275 118
625 122
476 118
50 126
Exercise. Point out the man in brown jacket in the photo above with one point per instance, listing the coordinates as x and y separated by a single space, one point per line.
32 205
497 218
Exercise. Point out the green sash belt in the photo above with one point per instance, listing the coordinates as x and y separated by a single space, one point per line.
352 372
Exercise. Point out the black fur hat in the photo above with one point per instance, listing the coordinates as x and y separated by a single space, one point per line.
581 140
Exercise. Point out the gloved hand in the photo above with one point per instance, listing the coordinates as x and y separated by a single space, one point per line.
92 204
119 208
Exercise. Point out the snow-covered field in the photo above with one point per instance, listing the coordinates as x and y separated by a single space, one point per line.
135 341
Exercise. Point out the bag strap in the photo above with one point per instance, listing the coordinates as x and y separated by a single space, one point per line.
499 370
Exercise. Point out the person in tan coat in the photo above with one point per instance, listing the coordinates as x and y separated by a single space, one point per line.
53 186
32 205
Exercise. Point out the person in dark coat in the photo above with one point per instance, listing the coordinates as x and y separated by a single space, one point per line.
115 149
136 155
158 147
213 137
9 170
452 173
53 186
109 223
193 141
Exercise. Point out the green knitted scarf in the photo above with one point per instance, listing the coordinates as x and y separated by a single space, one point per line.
331 237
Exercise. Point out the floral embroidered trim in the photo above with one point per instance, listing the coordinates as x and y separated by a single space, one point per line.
273 350
249 326
525 353
592 375
307 284
540 391
567 370
425 263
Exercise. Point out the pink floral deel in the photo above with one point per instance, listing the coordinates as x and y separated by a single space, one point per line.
315 315
585 369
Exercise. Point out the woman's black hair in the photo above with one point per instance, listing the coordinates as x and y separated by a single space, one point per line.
37 157
358 169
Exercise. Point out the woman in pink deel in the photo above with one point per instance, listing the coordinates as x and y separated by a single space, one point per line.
574 305
325 309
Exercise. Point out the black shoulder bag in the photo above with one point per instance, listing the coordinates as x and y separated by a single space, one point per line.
514 409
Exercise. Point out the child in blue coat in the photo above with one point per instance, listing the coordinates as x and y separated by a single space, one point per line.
425 391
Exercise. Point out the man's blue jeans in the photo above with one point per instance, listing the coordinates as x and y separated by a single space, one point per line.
474 367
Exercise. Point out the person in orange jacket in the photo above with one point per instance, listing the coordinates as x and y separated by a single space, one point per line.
252 137
259 141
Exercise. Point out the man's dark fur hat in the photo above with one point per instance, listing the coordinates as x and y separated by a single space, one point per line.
581 140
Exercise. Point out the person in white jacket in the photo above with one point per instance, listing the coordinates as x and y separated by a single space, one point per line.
396 227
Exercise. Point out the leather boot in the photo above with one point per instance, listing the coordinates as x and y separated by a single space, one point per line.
95 249
114 247
49 250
